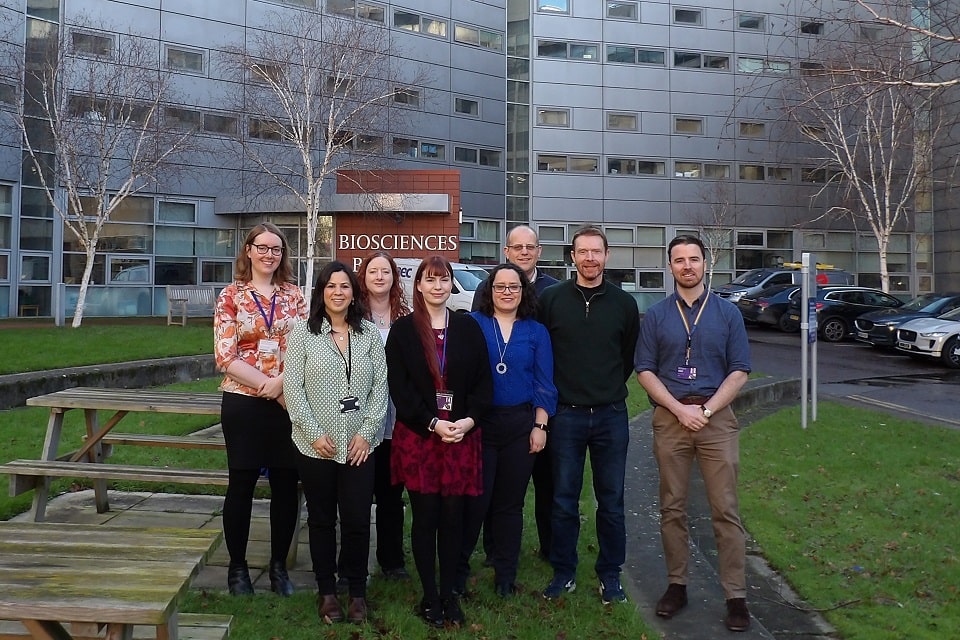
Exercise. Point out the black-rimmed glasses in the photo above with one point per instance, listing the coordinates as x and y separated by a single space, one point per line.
262 249
512 288
521 247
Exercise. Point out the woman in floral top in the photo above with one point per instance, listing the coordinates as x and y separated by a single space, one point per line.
253 318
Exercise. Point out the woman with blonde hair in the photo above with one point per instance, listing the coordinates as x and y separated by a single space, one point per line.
382 295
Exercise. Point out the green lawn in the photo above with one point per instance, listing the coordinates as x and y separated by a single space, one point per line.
858 513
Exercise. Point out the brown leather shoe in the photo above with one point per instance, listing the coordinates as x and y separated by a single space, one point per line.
328 608
357 610
738 618
673 599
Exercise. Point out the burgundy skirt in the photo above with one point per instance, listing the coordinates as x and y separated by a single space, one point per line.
429 465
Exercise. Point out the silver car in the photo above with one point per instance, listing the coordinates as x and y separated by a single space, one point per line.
933 338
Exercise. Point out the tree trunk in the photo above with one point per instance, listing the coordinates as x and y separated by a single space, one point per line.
84 284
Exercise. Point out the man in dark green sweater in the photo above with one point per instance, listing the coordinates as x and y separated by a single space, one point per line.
593 326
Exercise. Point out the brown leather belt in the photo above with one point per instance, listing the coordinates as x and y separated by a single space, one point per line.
696 400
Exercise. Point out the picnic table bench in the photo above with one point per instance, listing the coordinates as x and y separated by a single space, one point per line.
189 300
88 461
63 581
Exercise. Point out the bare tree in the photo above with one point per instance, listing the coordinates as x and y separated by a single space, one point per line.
323 87
871 139
90 118
715 224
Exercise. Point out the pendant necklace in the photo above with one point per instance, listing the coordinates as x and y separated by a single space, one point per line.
501 366
381 319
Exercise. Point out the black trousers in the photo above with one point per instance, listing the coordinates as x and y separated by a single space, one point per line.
543 499
436 538
331 488
507 465
389 499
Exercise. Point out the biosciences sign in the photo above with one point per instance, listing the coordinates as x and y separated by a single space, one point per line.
431 243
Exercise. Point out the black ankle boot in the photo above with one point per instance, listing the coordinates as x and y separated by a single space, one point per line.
279 579
238 579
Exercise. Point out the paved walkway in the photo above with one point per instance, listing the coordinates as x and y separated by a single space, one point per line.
776 612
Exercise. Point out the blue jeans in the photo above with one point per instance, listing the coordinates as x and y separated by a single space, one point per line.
604 431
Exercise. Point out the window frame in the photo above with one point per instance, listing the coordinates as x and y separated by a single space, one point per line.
628 3
622 114
760 18
811 28
700 125
185 50
542 7
694 11
565 112
473 99
93 35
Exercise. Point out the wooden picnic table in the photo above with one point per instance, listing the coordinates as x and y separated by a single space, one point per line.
121 401
88 577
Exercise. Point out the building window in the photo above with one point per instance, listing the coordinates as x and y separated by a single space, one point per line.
716 171
813 174
553 117
356 9
182 119
811 28
266 73
651 56
686 169
812 69
750 22
420 24
572 51
622 121
621 166
688 126
489 158
182 212
184 60
407 97
432 150
752 129
553 6
651 168
546 162
784 174
688 16
368 144
627 55
813 132
716 62
92 44
583 164
777 66
405 147
751 172
265 129
466 106
8 93
222 125
750 65
478 37
623 10
465 154
686 59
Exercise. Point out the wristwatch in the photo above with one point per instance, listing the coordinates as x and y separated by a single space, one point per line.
542 426
706 412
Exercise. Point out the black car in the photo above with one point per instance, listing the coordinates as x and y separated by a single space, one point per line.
769 307
839 307
879 328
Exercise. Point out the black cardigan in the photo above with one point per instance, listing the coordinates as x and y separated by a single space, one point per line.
468 373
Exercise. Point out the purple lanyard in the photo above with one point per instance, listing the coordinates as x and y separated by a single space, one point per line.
273 309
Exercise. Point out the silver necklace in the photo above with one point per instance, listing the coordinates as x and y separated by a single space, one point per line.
501 366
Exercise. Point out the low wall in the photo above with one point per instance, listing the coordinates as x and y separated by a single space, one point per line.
16 388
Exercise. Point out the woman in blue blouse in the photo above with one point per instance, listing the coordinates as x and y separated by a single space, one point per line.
515 431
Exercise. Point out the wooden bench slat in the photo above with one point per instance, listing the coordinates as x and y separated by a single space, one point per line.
175 442
27 474
200 403
190 626
182 300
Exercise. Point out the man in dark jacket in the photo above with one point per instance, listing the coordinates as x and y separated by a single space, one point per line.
593 325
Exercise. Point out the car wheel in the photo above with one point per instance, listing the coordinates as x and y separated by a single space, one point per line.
785 324
834 330
951 353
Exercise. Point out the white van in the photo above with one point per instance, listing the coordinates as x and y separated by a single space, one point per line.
466 279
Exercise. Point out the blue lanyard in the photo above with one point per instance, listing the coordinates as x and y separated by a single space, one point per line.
446 339
273 309
690 330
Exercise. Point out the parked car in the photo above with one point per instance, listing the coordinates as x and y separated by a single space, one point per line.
466 279
769 307
756 280
879 328
932 338
838 307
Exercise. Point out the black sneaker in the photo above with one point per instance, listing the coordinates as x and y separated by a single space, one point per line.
432 612
558 586
452 613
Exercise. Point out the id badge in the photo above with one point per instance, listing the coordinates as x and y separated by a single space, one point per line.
686 373
349 404
444 401
268 346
